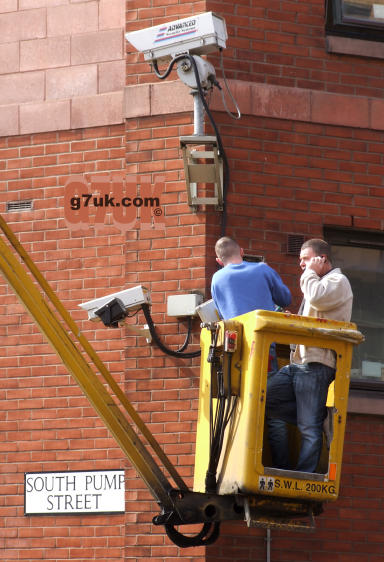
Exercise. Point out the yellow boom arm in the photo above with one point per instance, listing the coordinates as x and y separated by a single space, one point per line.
70 351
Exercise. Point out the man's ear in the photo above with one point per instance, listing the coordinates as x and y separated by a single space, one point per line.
242 252
220 262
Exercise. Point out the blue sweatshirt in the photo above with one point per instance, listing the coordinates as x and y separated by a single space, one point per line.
240 288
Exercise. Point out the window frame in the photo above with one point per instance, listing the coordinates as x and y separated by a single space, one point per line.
353 237
335 24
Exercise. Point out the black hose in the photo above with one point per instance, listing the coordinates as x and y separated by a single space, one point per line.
225 407
169 69
186 341
208 535
159 343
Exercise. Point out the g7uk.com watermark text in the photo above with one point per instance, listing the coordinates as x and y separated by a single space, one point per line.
128 203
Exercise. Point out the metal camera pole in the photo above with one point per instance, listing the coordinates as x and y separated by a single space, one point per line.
206 76
198 114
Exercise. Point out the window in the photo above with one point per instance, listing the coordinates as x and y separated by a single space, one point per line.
360 255
362 19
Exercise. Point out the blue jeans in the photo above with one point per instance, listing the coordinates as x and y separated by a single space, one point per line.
297 394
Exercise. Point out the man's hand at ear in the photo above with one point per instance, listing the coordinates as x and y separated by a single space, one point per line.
317 264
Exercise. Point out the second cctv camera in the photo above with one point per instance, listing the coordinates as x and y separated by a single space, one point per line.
128 299
197 35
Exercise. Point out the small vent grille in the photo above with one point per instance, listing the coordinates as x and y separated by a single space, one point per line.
24 205
249 257
294 243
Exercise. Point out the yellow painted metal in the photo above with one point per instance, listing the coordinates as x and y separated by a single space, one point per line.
57 325
245 464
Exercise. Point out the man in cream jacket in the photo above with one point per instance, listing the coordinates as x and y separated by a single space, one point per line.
297 393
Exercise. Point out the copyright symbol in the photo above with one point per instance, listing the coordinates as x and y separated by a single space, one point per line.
157 212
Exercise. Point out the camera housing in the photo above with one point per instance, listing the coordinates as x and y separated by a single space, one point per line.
128 299
198 35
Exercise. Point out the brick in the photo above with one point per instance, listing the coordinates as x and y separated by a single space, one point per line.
111 14
21 88
111 76
137 101
71 19
9 120
71 82
377 114
97 110
285 103
22 25
340 110
9 58
97 47
44 53
45 116
29 4
170 98
8 6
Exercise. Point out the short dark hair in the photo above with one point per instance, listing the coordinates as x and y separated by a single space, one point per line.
319 246
226 248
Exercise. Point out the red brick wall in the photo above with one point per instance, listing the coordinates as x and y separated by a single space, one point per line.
284 43
47 423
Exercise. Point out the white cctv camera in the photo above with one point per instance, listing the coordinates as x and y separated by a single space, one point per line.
196 35
128 299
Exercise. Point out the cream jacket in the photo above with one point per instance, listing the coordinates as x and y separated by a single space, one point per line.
330 297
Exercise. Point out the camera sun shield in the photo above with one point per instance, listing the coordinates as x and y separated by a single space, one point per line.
198 35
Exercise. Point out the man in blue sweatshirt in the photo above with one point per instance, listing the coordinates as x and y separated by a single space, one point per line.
240 286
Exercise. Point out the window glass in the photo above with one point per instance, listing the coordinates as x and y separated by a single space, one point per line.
364 10
364 268
361 19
